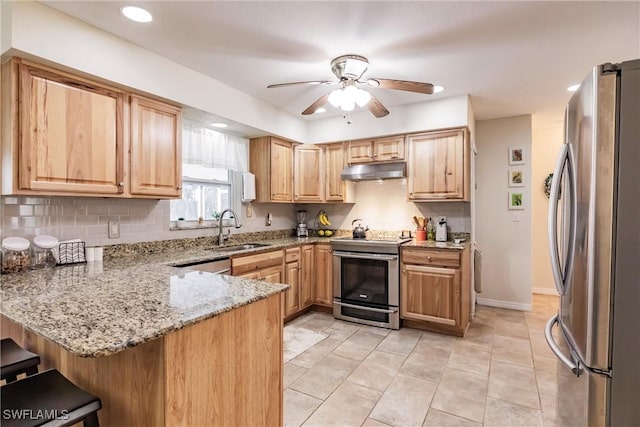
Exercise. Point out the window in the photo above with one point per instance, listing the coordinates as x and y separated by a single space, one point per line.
211 162
205 193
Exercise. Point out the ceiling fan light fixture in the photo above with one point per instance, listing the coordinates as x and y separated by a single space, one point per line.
362 97
336 97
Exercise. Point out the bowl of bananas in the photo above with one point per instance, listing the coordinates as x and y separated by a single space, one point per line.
322 224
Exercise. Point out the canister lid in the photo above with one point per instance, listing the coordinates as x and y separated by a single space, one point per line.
45 242
15 243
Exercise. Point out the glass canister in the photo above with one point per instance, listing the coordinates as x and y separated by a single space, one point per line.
42 252
15 255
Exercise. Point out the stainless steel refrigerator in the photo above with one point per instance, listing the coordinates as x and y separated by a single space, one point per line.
594 242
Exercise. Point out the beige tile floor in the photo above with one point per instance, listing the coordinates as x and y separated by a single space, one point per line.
500 374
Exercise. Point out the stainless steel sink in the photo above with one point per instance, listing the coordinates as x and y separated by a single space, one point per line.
240 247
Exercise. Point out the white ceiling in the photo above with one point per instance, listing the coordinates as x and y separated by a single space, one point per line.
512 57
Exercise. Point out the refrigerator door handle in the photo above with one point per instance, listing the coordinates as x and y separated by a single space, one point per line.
553 219
560 278
575 368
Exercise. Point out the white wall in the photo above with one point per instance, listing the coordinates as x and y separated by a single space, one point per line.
547 137
50 35
435 114
505 243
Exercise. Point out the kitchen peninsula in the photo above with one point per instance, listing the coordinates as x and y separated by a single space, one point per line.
159 345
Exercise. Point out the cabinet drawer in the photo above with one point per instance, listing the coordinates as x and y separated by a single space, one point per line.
256 262
431 257
292 254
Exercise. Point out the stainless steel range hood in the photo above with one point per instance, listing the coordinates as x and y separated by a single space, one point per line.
370 171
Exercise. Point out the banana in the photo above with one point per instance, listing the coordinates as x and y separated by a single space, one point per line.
322 217
325 219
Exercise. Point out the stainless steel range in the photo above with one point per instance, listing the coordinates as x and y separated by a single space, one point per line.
366 280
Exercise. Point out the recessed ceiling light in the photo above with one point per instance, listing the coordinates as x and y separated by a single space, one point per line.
320 110
219 125
137 14
573 88
437 89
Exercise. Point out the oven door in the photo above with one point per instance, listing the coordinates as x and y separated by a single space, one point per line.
366 288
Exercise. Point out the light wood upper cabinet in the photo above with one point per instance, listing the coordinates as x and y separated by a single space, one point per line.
377 150
438 166
71 136
271 161
324 275
156 156
67 135
309 173
336 189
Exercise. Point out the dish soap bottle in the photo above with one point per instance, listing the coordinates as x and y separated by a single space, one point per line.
431 230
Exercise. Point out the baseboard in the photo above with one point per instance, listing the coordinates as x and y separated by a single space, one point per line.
545 291
504 304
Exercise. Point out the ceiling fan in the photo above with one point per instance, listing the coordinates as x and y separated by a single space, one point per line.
349 70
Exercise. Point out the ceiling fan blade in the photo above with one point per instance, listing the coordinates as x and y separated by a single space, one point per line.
315 82
426 88
376 107
319 103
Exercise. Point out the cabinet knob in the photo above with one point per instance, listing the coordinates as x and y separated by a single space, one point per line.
375 155
179 187
121 184
429 258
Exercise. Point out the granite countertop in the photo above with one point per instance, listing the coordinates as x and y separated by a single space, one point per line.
100 308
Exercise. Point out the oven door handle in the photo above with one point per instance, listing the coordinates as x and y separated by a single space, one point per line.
365 256
361 307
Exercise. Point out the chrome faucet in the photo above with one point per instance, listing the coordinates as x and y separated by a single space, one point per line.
221 236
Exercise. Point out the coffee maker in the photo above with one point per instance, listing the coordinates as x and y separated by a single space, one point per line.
301 229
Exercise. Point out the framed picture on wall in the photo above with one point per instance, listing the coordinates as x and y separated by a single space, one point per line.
516 156
516 200
516 177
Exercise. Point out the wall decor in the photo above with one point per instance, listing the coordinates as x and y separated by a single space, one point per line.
547 185
516 200
516 156
516 177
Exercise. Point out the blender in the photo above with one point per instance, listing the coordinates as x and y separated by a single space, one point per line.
301 229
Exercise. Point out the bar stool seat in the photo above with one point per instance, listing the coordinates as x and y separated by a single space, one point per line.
15 361
47 399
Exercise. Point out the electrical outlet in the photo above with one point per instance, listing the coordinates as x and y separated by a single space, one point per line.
249 211
267 219
114 229
515 216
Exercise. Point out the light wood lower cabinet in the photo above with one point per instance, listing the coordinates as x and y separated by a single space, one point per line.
307 276
435 289
292 273
324 275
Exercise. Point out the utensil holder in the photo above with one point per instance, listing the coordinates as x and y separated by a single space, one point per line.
421 235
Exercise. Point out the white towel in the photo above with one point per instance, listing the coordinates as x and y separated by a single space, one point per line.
477 271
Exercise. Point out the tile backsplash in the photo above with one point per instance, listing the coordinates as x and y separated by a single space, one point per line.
141 220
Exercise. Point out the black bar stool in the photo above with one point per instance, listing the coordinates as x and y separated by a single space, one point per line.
15 361
47 399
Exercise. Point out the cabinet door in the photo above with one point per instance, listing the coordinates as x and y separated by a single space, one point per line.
360 152
388 148
72 138
430 294
307 276
272 274
292 296
308 170
281 171
324 276
437 164
156 156
334 185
